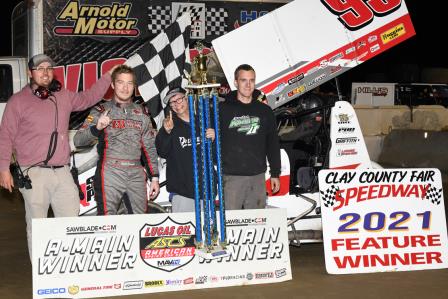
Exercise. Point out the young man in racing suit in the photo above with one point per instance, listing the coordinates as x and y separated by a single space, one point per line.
124 131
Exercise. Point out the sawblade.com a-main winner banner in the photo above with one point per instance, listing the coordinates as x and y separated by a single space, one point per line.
133 254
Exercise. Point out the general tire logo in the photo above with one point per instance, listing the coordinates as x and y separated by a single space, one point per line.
168 245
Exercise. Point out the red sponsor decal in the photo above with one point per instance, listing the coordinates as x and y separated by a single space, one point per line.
167 252
128 123
356 14
284 186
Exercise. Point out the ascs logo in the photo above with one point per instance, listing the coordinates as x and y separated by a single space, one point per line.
168 245
51 291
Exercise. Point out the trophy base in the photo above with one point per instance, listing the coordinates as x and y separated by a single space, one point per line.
214 252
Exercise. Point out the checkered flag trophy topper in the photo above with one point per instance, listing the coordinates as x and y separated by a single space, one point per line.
434 195
204 96
329 196
160 64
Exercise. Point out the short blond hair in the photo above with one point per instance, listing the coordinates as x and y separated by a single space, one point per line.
123 69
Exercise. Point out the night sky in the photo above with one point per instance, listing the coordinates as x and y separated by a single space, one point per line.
402 63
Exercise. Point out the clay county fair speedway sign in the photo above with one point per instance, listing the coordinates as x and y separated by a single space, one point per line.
134 254
383 220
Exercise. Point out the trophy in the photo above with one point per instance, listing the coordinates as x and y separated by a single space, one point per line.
199 76
210 241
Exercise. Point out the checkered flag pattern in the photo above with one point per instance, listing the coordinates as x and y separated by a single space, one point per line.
159 18
328 197
434 195
160 65
216 21
195 11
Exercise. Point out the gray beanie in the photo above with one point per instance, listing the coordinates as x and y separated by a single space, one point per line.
38 59
173 92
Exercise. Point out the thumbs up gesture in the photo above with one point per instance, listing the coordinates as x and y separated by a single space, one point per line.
103 121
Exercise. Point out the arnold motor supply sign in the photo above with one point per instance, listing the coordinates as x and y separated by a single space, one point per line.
311 42
133 254
377 220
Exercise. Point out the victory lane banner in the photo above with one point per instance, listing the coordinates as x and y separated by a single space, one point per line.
379 220
134 254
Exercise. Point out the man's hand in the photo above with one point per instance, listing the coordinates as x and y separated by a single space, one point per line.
210 134
275 185
6 180
103 121
168 123
154 189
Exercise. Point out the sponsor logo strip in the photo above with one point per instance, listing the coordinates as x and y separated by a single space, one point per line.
391 34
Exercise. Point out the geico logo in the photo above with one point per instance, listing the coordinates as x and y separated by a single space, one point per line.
165 242
51 291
